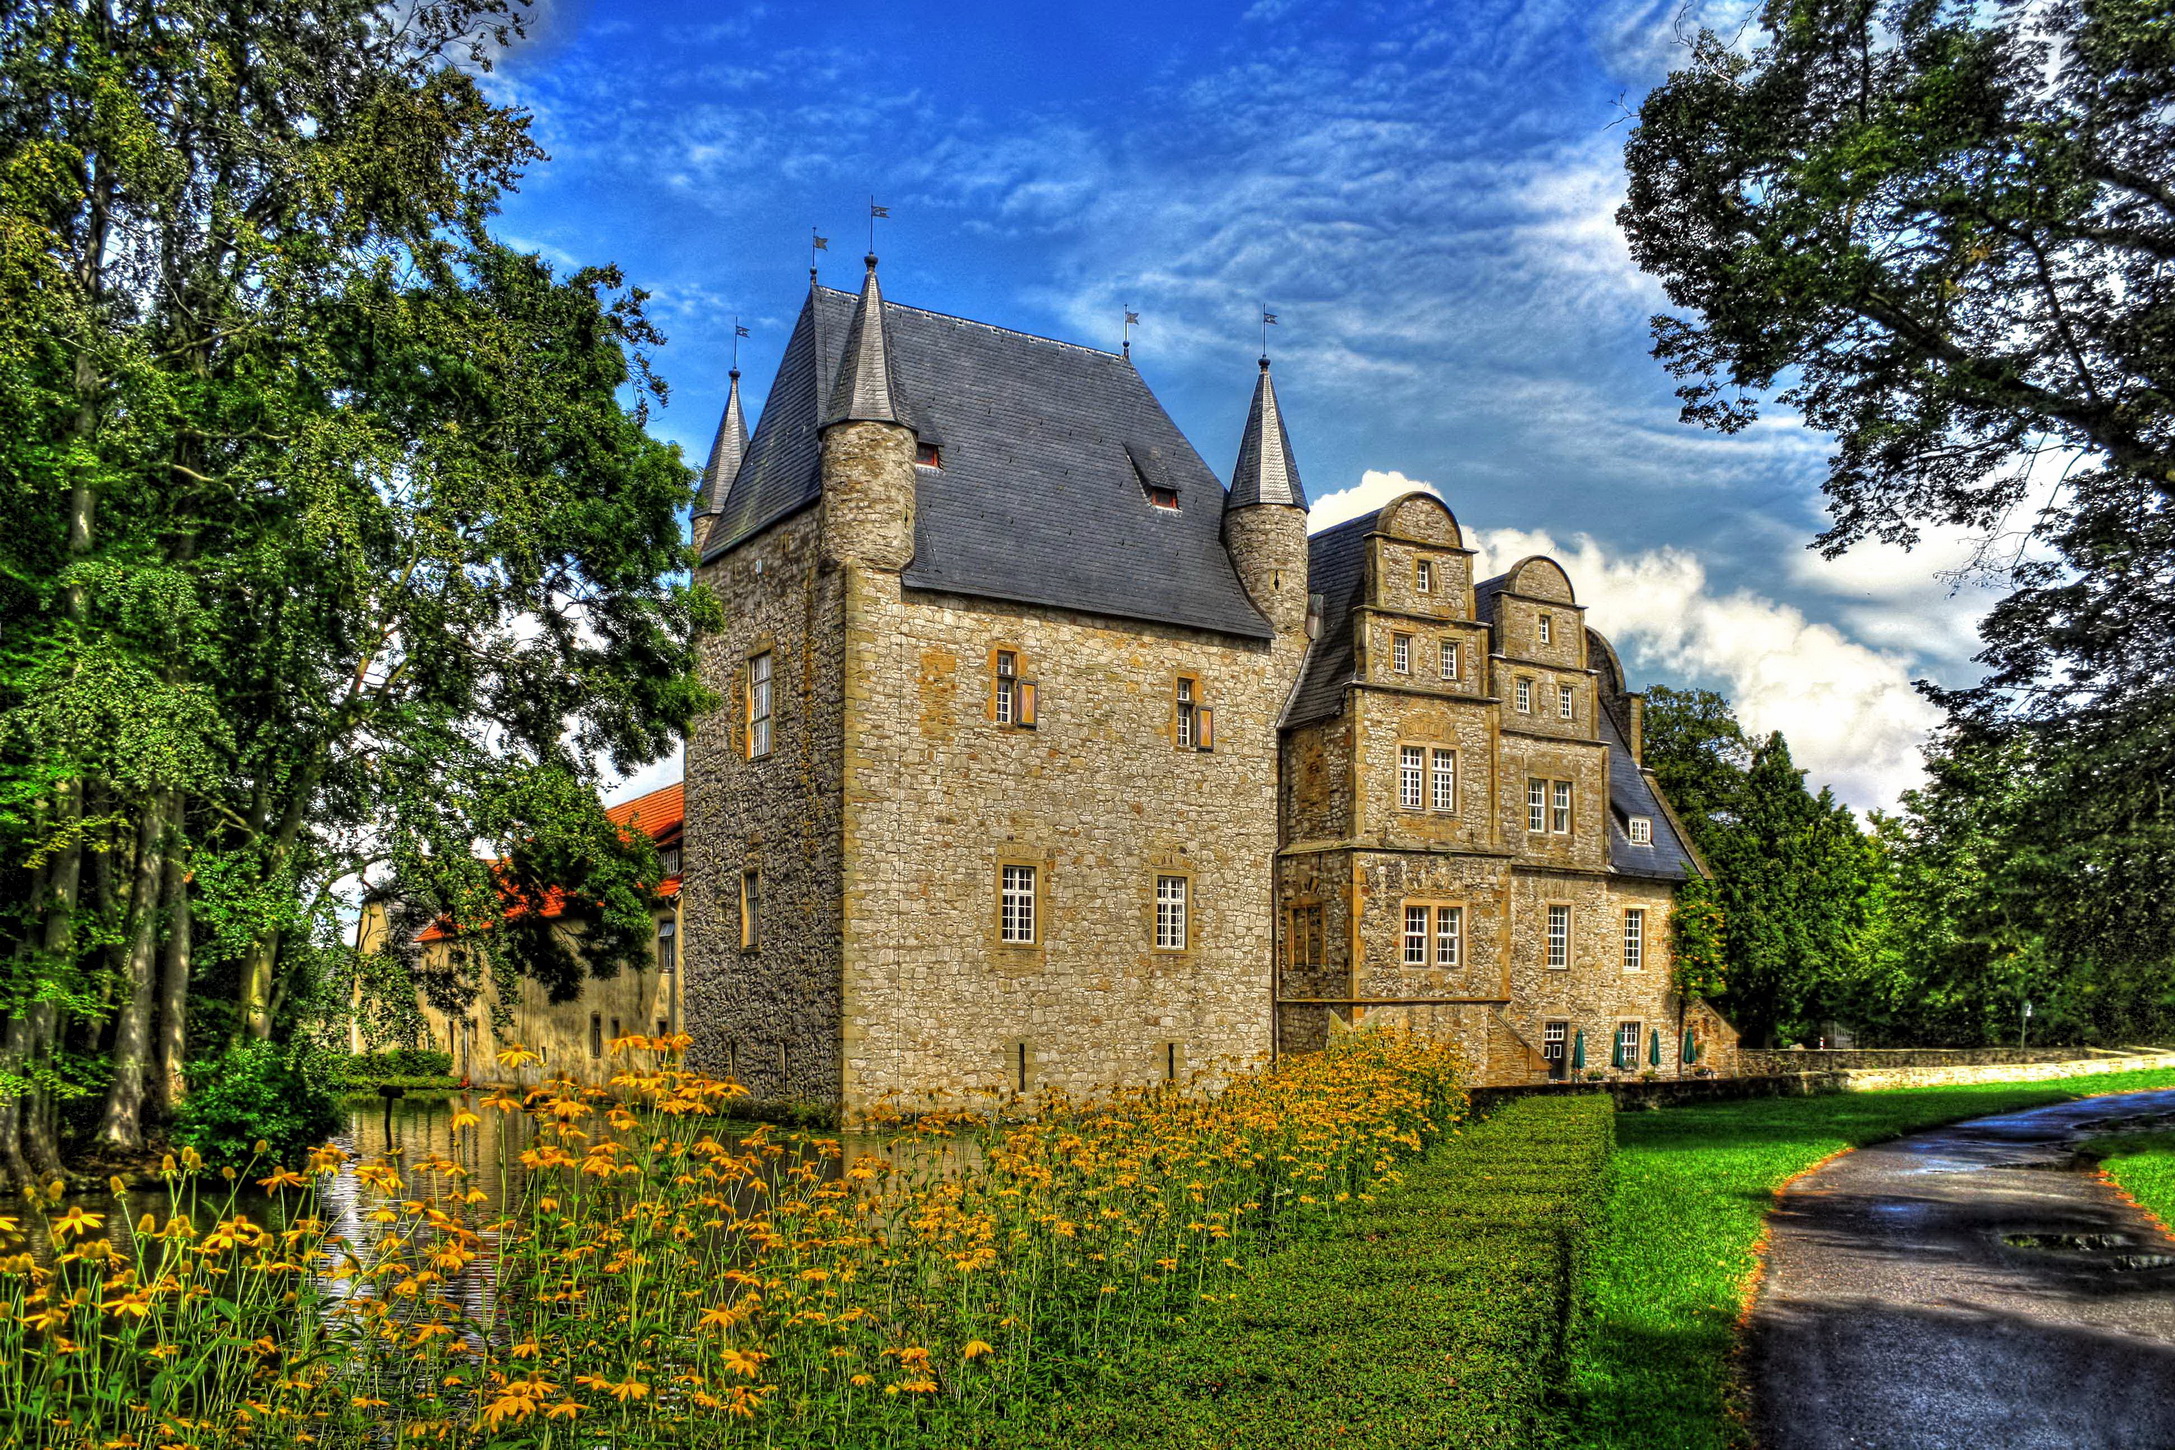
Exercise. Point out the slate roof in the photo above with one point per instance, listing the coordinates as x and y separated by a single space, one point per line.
1336 559
726 451
1040 499
1266 472
1632 793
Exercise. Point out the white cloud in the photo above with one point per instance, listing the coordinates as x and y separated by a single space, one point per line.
1847 706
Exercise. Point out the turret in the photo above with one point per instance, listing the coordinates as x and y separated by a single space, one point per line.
868 448
724 465
1265 515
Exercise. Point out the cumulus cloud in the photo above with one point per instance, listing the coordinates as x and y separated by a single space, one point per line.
1847 706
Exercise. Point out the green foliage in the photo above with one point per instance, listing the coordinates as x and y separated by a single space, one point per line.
1442 1313
2143 1166
1698 943
276 1093
1677 1247
1790 911
392 1065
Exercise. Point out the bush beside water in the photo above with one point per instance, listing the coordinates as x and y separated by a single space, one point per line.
282 1095
655 1279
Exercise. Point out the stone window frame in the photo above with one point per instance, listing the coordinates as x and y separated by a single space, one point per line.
750 906
1536 805
1634 939
1155 899
765 648
1019 1066
1039 900
1406 936
1434 906
1026 689
1566 701
1524 694
1447 653
1435 754
1400 653
1548 935
1563 807
1546 625
1638 1044
1423 576
1305 921
1173 1064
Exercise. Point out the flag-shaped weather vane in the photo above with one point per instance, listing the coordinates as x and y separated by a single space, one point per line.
1125 333
1268 320
738 333
817 242
875 211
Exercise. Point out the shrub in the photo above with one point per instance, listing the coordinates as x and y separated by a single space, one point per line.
395 1064
277 1093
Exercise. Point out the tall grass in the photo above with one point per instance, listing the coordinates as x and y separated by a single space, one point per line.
646 1278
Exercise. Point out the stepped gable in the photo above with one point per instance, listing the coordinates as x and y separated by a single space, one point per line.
1047 451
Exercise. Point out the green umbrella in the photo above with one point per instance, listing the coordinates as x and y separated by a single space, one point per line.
1653 1048
1578 1049
1691 1046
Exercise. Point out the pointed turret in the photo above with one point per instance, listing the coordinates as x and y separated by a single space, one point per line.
1265 516
726 453
1266 472
864 392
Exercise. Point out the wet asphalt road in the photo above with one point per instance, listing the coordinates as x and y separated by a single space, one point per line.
1973 1286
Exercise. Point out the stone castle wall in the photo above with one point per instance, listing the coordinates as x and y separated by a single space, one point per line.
769 1014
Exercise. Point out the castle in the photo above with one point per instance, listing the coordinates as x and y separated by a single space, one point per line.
1048 761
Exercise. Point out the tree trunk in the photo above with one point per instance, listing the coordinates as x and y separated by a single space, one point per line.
121 1125
60 945
254 1002
169 1085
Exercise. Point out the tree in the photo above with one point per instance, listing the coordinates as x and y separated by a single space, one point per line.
334 541
1945 233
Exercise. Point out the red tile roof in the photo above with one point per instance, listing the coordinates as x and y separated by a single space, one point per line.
660 815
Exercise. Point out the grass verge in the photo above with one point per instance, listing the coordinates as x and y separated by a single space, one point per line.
1677 1249
1441 1313
2143 1166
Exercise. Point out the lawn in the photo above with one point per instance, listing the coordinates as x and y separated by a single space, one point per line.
2143 1165
1676 1256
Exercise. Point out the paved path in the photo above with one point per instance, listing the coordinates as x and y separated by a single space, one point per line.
1969 1287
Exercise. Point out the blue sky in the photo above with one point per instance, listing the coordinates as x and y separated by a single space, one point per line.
1422 194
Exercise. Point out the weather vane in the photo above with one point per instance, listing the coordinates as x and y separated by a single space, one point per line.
874 211
1268 320
816 243
1125 333
738 333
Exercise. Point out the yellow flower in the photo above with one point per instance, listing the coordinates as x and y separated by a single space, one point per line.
629 1389
76 1221
975 1348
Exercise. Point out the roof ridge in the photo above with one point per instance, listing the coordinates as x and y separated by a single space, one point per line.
989 326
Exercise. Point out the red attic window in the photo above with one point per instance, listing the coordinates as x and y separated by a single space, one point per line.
1163 498
928 455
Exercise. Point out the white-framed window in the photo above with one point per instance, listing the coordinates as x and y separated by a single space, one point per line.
1449 659
1566 702
1560 821
1559 936
1424 576
1627 1044
1187 705
1443 780
1016 919
1008 687
668 947
1635 940
759 706
751 908
1411 771
1170 913
1449 935
1553 1035
1642 830
1415 936
1401 653
1525 697
1536 805
1546 628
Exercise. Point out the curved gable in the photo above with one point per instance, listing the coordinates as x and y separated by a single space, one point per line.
1540 577
1421 517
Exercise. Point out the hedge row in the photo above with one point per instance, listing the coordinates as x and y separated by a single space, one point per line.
1442 1314
396 1065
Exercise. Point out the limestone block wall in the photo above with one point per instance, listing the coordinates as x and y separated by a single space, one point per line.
769 1013
1594 992
1377 650
1316 780
1584 764
1097 798
1384 724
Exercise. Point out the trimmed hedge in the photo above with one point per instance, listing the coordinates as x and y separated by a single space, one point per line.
399 1066
1442 1314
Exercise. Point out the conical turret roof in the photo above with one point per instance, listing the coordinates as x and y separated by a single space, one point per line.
1266 473
865 391
725 454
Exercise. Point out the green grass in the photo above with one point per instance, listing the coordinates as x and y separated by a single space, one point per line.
2143 1164
1691 1190
1440 1314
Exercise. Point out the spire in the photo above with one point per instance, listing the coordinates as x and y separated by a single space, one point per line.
864 393
725 454
1265 472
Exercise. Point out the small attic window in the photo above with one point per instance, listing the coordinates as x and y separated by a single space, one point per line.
1161 497
928 455
1642 830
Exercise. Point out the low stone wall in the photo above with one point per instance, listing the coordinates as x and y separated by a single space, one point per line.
1798 1059
1671 1092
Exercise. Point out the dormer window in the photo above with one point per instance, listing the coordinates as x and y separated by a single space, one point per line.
1642 830
1162 498
669 858
928 455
